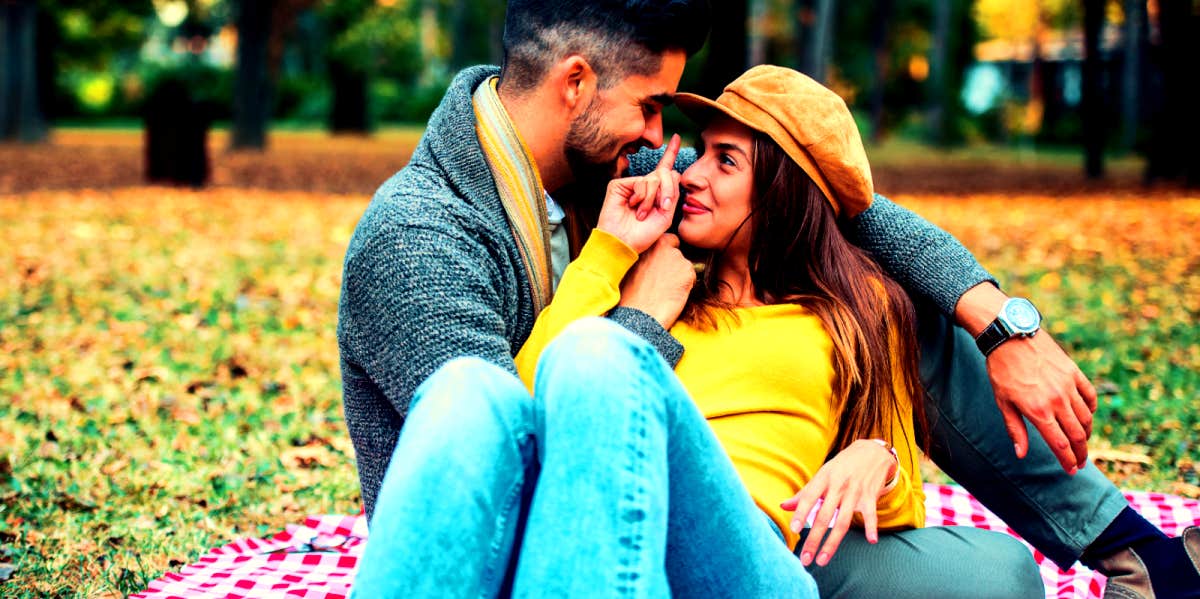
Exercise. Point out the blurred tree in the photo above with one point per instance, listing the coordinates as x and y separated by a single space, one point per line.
252 83
939 63
21 115
727 46
349 79
1175 126
262 26
951 50
1093 89
818 46
880 25
1134 38
477 31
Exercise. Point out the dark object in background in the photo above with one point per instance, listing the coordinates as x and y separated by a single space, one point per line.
176 135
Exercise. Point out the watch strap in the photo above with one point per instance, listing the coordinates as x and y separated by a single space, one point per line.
992 337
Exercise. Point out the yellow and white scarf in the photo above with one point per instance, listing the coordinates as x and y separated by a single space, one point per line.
520 189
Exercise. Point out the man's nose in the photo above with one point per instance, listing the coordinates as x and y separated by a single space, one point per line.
653 134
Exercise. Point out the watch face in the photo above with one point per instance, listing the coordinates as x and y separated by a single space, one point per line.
1021 316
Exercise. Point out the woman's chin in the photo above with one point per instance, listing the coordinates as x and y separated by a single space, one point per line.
691 235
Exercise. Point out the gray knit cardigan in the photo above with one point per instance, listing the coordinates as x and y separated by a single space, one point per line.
433 273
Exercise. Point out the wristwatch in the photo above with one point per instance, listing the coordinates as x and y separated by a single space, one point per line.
1018 318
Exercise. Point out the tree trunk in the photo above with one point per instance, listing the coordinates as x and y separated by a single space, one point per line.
350 83
938 79
1135 27
252 82
1175 124
757 32
820 41
1093 89
349 112
879 75
727 47
21 116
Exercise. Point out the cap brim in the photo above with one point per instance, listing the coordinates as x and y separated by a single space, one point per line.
702 111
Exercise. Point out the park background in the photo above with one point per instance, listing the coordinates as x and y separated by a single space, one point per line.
179 180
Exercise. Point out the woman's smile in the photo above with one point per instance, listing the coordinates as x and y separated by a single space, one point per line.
691 206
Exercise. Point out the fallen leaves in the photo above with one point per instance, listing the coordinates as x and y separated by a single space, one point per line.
169 369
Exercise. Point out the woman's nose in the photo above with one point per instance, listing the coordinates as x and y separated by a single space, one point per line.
691 180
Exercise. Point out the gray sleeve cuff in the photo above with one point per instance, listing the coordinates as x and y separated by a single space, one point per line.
644 326
926 260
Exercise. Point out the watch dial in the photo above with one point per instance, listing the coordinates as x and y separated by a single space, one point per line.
1023 316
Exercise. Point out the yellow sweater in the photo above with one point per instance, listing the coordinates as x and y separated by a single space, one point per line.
763 380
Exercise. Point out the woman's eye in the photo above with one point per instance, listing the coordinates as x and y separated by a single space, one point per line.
726 160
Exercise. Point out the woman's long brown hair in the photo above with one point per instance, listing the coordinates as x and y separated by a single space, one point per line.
799 255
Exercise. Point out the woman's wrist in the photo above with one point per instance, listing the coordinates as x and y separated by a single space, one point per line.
893 473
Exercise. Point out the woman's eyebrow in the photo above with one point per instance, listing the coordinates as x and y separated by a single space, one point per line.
731 147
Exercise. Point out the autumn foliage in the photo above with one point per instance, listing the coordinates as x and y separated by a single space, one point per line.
169 368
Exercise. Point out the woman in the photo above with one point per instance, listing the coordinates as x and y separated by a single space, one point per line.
798 349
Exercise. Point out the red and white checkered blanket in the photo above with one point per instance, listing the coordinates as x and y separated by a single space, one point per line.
318 559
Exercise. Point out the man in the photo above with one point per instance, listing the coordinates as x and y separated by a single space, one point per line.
459 252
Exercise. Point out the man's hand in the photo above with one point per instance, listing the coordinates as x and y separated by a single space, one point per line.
660 282
850 483
637 210
1033 377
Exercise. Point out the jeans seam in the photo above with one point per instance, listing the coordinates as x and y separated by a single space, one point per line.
636 529
512 497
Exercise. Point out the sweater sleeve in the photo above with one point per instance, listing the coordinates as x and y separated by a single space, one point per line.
926 260
415 297
590 286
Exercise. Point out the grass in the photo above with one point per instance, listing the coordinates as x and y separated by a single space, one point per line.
169 376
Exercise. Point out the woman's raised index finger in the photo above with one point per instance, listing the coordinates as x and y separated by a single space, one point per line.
668 158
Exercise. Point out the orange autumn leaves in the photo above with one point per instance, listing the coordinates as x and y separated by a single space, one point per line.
169 370
1118 280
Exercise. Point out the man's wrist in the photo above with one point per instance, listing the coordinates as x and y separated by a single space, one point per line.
978 307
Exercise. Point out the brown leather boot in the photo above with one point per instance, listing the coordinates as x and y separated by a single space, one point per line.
1128 577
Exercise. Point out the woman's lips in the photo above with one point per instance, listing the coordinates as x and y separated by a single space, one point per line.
690 207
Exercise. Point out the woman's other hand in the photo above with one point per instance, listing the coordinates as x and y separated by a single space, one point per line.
850 483
638 210
660 282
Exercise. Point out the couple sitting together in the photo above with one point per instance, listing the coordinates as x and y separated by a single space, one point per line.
593 406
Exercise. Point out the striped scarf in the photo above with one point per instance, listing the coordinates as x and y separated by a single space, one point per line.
520 189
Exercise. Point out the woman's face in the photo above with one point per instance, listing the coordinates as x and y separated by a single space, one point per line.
719 186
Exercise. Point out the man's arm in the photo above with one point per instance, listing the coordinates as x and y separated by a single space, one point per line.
924 259
415 297
1032 377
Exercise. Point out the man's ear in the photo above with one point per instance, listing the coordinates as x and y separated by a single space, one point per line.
576 82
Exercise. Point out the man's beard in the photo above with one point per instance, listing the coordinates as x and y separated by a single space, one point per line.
591 151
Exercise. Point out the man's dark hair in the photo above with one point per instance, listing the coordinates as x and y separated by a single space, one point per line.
618 38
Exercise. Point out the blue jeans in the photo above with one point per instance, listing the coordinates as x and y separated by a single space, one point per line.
606 482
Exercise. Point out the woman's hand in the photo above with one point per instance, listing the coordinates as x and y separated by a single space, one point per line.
638 210
850 483
660 282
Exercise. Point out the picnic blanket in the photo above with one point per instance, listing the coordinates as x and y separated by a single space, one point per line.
318 559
